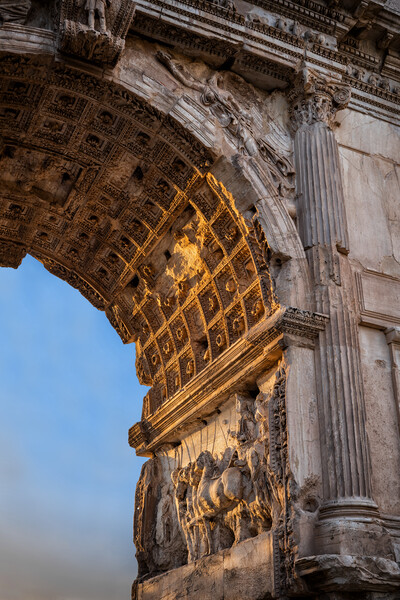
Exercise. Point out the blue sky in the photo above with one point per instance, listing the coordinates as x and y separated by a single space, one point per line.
68 395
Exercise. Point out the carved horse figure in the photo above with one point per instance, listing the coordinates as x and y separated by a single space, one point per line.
216 494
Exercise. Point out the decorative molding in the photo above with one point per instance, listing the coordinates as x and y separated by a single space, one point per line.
14 11
260 348
379 298
220 32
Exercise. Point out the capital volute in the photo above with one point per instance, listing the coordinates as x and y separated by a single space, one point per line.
316 98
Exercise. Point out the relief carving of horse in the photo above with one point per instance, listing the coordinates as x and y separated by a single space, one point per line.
217 493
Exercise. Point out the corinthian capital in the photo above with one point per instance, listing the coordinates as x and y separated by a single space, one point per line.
316 98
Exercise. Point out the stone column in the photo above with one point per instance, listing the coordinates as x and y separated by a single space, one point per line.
322 227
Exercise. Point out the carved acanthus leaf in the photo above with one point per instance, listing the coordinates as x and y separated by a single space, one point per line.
316 98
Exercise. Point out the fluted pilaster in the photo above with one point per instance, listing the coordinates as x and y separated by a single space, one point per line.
323 229
321 212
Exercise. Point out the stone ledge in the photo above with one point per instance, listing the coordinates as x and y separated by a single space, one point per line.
257 351
243 571
345 573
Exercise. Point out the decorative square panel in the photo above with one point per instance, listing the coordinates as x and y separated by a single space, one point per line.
173 380
108 123
95 146
209 302
45 240
236 323
226 230
166 346
153 358
254 306
53 130
65 105
218 339
153 315
21 93
179 332
227 286
187 367
14 119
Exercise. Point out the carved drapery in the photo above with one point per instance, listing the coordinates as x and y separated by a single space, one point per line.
323 229
238 125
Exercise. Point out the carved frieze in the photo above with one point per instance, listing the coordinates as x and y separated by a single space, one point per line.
95 30
220 499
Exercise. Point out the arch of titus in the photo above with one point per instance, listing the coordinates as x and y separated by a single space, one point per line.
222 179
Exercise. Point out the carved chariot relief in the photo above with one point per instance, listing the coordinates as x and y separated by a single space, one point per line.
230 482
95 29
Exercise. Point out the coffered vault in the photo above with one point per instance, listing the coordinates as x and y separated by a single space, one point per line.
178 163
119 199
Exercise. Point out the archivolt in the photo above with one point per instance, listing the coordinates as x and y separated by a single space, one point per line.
116 197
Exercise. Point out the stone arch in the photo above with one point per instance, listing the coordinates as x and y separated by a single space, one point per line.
121 194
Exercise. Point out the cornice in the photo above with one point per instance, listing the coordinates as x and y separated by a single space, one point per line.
257 352
308 13
268 51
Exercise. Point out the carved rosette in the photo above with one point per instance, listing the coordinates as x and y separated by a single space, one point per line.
316 98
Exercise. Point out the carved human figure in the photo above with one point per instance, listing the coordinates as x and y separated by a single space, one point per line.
180 479
246 425
186 481
222 104
261 415
97 8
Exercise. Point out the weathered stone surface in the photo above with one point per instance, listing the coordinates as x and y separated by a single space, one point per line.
245 571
